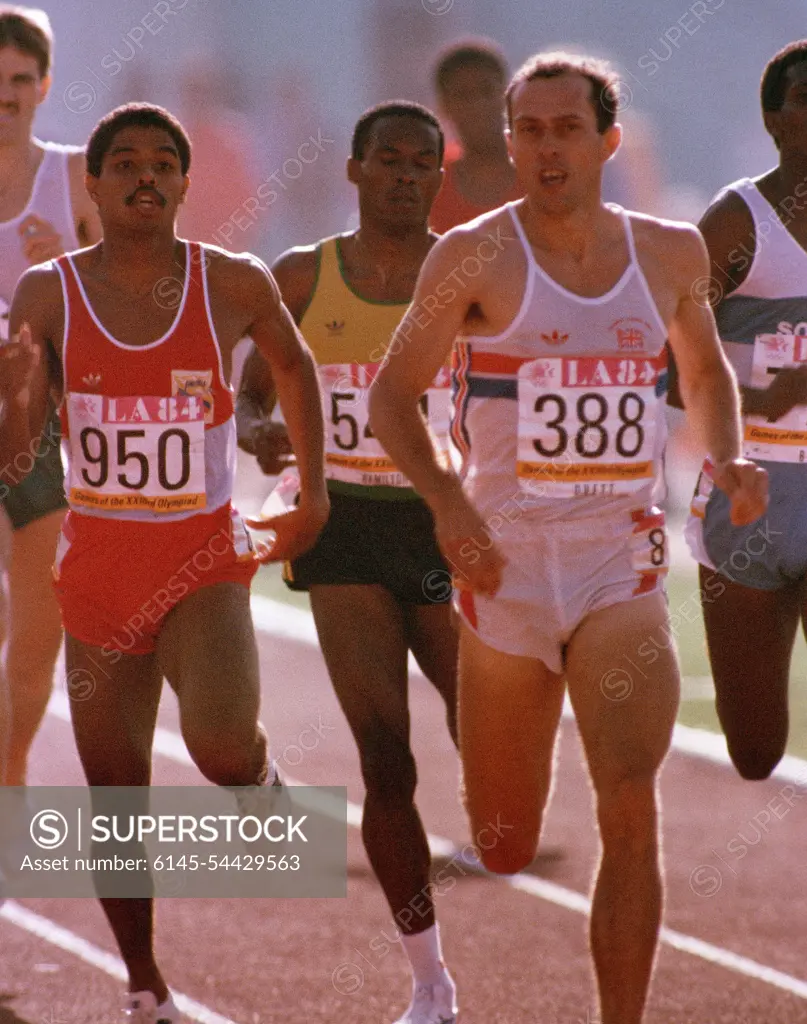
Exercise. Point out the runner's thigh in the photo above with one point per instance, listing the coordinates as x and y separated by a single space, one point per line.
509 708
362 634
207 651
113 706
624 682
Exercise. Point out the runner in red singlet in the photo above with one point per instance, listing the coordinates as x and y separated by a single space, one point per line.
154 565
469 80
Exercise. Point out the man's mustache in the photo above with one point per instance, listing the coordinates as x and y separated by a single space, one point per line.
145 191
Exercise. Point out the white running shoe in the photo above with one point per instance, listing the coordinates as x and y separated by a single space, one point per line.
432 1004
142 1008
261 800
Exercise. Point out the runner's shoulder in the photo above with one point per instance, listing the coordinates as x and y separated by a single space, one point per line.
727 222
41 283
475 238
240 278
678 245
296 272
474 231
39 300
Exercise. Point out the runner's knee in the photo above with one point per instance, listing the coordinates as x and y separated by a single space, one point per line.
387 765
505 841
509 855
756 762
229 758
626 811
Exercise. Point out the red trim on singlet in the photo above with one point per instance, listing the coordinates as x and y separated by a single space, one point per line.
468 607
495 362
460 357
644 520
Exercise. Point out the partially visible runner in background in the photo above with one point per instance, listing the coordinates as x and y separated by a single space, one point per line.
753 578
225 165
469 80
378 584
44 210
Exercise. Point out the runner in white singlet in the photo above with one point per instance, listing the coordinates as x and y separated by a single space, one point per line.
753 577
558 308
44 211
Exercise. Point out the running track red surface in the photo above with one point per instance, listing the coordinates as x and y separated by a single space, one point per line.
516 956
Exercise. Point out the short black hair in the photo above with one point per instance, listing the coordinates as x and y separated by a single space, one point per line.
141 115
396 108
29 31
604 82
468 53
774 78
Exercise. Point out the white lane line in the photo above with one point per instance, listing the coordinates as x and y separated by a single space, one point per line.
171 745
277 619
557 894
53 933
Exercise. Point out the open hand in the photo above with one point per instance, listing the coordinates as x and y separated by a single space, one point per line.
788 389
296 531
475 561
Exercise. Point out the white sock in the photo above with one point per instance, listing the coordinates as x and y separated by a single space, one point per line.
425 956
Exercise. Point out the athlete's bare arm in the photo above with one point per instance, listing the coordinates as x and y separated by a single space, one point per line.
36 319
707 381
413 359
418 349
249 285
256 399
41 241
295 273
85 212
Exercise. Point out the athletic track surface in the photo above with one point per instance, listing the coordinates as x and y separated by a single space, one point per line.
732 949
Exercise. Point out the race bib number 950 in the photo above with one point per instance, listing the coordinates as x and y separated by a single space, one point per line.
137 453
587 426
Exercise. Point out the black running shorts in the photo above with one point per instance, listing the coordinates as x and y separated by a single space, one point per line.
41 491
368 541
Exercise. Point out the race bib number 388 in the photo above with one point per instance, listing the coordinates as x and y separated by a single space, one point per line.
352 452
587 426
137 453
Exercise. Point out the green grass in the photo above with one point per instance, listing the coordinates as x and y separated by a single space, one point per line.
697 704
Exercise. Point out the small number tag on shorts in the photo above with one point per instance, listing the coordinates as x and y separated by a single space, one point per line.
650 552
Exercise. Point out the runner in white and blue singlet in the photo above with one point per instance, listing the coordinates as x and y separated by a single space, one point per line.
753 578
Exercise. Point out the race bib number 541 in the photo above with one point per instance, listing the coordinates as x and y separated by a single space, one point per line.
587 426
137 453
352 453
